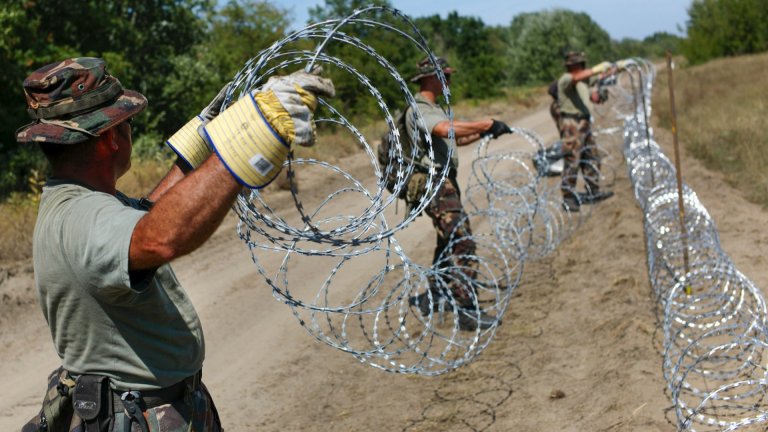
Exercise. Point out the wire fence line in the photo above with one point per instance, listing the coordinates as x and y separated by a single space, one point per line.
712 316
352 233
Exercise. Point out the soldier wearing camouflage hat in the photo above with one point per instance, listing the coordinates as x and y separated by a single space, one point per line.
574 120
130 341
454 246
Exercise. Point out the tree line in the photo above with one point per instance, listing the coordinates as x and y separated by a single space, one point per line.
180 52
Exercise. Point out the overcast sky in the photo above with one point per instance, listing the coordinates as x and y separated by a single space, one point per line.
620 18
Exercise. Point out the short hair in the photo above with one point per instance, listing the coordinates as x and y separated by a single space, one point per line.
59 154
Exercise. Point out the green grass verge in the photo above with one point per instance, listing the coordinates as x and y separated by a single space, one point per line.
721 112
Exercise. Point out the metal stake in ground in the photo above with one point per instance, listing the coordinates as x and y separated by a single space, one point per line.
680 201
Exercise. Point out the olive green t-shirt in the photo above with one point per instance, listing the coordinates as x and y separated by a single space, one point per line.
137 328
433 114
573 96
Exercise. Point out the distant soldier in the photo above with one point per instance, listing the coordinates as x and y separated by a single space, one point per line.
554 106
445 209
575 103
130 341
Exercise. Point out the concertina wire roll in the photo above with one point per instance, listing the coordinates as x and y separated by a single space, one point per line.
713 338
712 316
361 303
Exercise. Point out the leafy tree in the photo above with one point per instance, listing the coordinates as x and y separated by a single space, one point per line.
657 44
538 40
341 8
236 33
718 28
475 50
350 93
241 29
24 45
653 46
139 40
629 47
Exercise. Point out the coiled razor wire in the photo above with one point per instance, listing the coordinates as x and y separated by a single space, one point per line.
712 316
364 303
348 234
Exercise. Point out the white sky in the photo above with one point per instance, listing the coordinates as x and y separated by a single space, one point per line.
620 18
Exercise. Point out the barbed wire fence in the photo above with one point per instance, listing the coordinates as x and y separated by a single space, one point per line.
352 233
712 316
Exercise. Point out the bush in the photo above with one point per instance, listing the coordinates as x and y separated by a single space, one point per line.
538 41
720 28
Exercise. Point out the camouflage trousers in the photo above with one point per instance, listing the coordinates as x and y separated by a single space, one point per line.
554 111
455 247
193 412
580 155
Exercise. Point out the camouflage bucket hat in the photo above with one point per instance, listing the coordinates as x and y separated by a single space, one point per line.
74 100
426 68
574 58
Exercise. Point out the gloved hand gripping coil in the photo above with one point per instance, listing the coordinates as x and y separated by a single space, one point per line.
253 136
247 144
187 142
602 67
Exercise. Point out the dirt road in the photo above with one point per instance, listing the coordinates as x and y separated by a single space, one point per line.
577 350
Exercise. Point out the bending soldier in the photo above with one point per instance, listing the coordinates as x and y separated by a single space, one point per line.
454 247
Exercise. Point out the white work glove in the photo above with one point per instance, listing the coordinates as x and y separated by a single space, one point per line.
187 141
602 67
253 136
622 64
295 94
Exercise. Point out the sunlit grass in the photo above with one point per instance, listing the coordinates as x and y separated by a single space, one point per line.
19 213
721 110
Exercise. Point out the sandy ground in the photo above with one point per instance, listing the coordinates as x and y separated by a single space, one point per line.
578 349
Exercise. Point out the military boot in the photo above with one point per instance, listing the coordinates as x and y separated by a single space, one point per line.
594 197
423 303
470 319
571 204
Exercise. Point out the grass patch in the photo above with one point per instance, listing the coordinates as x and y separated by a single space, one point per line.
16 226
720 117
144 175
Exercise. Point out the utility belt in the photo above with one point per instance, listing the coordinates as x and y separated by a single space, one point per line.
90 399
90 389
155 398
417 187
577 117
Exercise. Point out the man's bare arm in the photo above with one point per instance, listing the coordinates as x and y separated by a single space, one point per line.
462 129
184 216
174 175
469 139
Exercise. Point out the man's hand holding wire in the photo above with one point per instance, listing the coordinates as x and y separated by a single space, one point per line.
188 142
497 129
254 135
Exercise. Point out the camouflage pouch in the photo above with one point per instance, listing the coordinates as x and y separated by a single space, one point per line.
417 187
57 413
195 412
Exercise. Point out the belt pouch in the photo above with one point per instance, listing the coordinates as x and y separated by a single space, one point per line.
92 402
